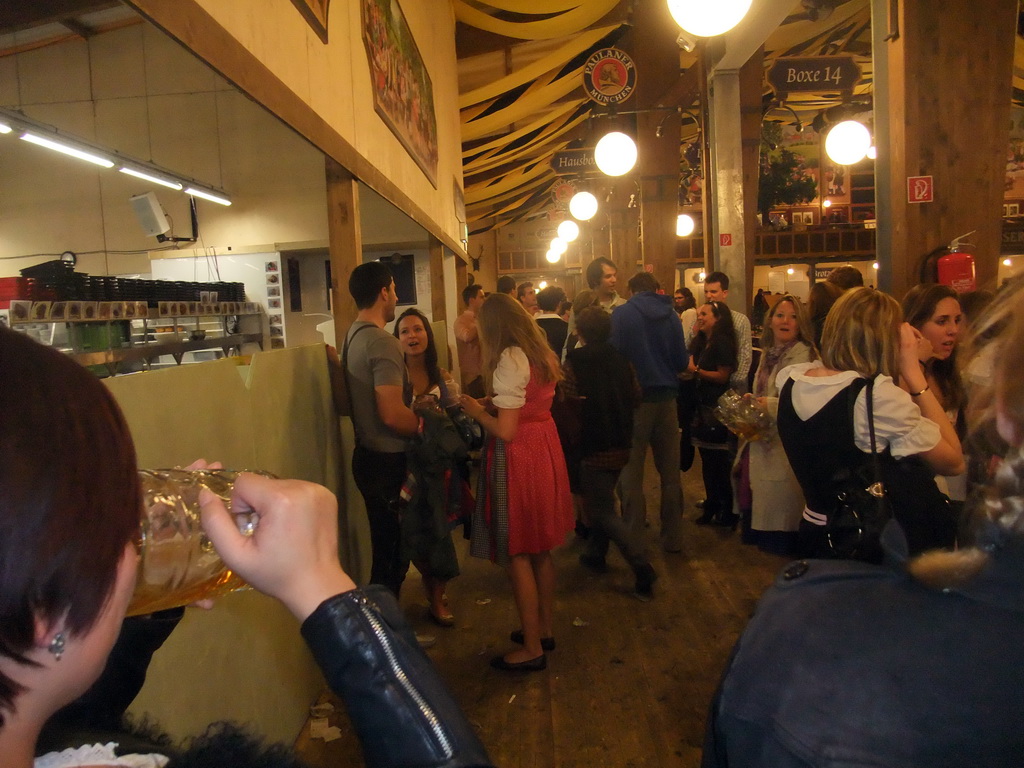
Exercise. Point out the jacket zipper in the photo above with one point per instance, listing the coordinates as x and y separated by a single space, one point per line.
399 674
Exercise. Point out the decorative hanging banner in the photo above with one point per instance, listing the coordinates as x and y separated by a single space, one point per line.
813 74
609 76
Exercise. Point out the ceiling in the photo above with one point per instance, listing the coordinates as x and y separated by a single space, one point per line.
520 76
520 73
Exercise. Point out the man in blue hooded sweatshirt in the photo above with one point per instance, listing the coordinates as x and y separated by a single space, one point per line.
646 330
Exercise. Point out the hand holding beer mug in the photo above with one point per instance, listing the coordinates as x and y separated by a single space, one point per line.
177 561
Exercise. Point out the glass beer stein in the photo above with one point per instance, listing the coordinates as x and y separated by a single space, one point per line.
177 562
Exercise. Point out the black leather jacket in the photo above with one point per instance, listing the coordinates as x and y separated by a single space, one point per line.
402 711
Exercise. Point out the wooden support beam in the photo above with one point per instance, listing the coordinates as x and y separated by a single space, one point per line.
345 242
438 309
751 90
657 63
948 118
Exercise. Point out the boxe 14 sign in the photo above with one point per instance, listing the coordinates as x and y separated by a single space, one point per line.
813 74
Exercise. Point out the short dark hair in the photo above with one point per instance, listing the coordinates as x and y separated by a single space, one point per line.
506 284
549 299
594 325
522 288
643 281
70 497
595 270
846 277
367 281
718 277
470 291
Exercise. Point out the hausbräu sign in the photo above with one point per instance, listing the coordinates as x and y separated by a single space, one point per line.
574 161
813 74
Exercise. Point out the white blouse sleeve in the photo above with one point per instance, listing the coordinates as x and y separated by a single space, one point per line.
511 376
898 422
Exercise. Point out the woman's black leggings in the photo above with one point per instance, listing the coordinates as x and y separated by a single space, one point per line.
715 467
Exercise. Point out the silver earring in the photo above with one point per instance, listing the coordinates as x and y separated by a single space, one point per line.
57 645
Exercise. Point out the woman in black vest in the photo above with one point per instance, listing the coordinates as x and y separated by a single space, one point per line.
823 419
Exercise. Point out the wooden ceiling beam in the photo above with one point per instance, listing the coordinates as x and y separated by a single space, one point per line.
16 15
75 27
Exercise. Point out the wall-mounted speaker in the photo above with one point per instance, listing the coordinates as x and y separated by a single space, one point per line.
150 214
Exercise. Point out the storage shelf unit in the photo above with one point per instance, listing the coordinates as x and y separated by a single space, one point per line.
122 345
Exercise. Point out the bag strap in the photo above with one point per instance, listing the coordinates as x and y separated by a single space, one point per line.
344 362
877 488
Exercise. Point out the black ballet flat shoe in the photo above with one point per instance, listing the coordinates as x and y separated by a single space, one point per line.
547 643
707 518
530 665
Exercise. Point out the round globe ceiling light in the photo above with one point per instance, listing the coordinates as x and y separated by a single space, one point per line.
568 230
552 257
615 154
872 152
583 206
685 225
707 19
848 142
559 246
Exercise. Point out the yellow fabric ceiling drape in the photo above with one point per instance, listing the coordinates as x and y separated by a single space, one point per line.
498 159
557 113
477 192
563 24
538 7
535 69
530 102
800 32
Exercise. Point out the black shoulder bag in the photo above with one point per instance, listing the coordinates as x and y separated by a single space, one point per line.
861 512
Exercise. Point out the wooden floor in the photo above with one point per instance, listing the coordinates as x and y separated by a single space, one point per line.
630 682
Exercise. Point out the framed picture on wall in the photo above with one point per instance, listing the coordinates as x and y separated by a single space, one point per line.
403 95
315 14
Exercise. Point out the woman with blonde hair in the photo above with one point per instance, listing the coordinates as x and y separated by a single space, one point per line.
898 665
867 351
524 508
768 496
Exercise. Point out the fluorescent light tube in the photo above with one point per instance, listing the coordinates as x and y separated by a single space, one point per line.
207 196
67 150
154 179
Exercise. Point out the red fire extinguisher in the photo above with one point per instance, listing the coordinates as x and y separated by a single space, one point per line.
952 265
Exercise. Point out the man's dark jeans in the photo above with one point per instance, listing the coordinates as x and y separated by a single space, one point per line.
379 477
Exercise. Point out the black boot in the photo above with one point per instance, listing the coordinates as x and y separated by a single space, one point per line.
727 520
645 578
710 512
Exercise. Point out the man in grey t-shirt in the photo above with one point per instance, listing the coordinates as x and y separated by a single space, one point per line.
378 387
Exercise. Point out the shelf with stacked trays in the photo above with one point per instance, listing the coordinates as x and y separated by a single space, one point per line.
123 336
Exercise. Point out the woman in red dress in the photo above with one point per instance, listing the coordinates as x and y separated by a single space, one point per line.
524 508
